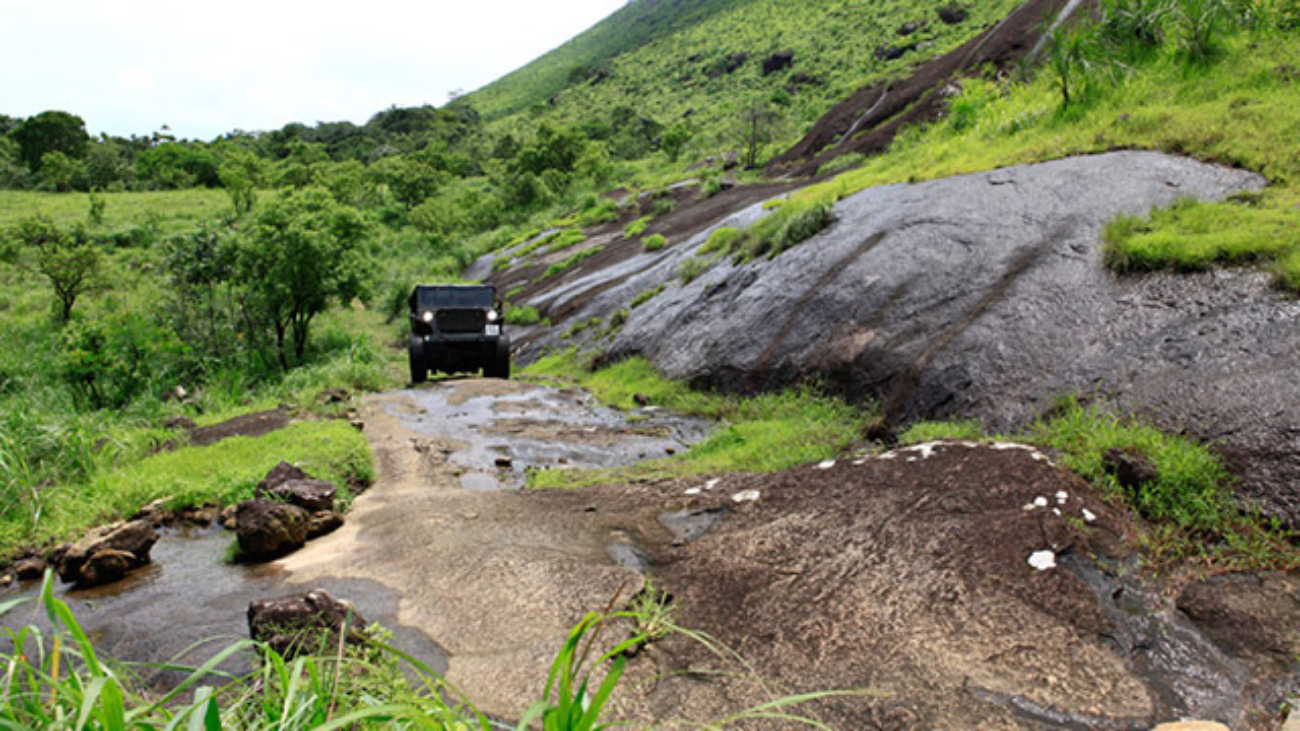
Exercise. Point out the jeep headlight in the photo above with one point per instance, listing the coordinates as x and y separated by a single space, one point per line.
493 315
427 316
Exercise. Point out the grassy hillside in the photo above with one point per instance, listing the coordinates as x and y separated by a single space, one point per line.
702 64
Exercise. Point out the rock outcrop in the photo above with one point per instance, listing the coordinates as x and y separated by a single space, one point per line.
307 623
106 553
982 296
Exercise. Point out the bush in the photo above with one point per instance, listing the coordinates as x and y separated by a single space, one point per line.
526 315
654 242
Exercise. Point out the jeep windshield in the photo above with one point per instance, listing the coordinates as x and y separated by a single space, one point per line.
435 298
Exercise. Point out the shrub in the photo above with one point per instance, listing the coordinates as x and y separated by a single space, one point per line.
525 315
605 211
654 242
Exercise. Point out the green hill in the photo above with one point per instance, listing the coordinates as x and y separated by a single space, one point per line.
703 63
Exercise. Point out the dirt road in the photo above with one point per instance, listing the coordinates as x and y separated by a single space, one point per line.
495 576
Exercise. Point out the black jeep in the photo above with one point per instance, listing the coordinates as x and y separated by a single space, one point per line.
455 329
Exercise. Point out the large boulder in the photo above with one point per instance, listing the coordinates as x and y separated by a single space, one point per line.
983 297
304 623
267 529
106 553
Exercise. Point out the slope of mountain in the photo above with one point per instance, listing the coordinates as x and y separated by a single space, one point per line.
703 63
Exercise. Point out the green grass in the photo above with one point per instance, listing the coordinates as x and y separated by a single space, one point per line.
1241 109
654 242
526 315
645 297
765 433
1191 508
170 212
222 473
637 227
573 260
693 267
663 60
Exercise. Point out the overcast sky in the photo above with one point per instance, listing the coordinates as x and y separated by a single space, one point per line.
205 68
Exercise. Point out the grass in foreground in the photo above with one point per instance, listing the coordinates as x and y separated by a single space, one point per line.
764 433
1191 509
59 681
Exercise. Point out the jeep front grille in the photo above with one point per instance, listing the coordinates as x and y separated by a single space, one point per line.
461 321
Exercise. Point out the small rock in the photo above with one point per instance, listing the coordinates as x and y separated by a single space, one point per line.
670 450
323 523
504 462
1191 726
1089 516
179 422
310 495
268 530
29 568
106 566
778 62
826 465
1040 502
127 544
641 399
227 518
952 15
304 623
333 396
693 491
280 474
155 512
1130 467
357 424
6 579
1043 560
203 516
746 496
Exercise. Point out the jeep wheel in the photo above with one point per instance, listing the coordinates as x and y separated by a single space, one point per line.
415 353
499 366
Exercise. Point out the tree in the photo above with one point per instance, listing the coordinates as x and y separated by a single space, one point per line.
410 181
241 174
68 261
61 174
47 132
759 126
105 165
301 252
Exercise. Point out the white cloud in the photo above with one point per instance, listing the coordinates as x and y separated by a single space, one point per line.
205 68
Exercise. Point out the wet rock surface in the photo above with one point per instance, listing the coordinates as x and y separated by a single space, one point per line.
984 296
268 530
106 553
309 623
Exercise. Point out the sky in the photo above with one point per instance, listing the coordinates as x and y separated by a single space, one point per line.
205 68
